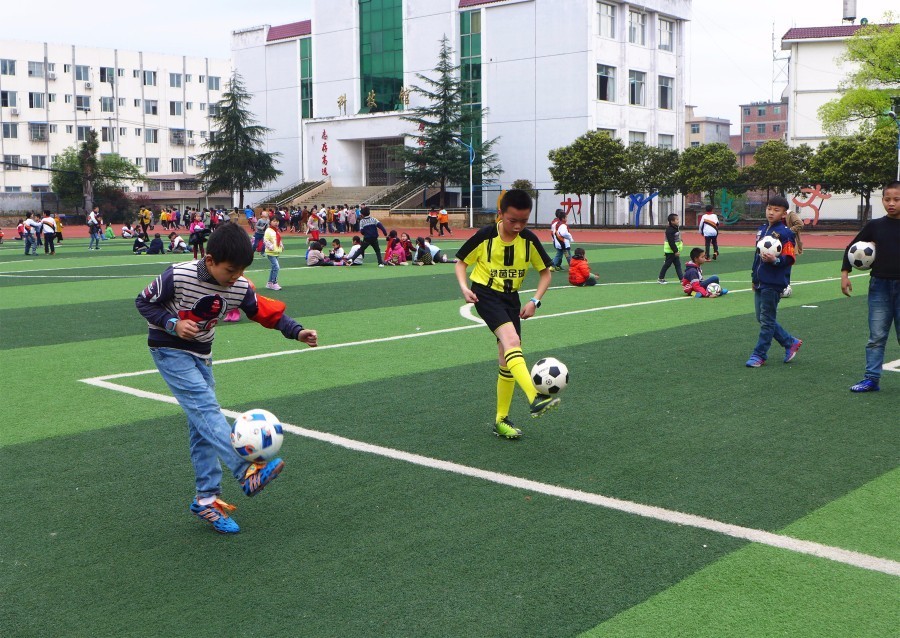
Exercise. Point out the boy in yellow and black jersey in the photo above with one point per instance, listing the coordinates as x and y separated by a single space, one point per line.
501 255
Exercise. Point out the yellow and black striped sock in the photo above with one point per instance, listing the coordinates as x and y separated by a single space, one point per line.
506 386
515 361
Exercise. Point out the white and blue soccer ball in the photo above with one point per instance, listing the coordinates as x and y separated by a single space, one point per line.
714 289
769 246
861 255
257 435
550 376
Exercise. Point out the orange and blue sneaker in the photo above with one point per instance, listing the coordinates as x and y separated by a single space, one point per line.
755 361
260 474
791 351
216 514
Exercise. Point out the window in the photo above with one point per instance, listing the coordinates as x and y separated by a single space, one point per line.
306 94
637 137
176 136
67 68
11 162
107 134
7 67
666 141
10 130
607 18
188 77
695 144
82 72
212 136
212 82
7 98
107 74
151 135
120 73
82 133
40 188
666 35
202 106
201 79
152 186
203 135
122 131
139 162
107 105
761 111
70 129
747 129
695 129
760 128
137 132
747 112
776 128
167 186
666 93
776 110
152 164
12 189
188 106
175 108
137 73
35 69
149 78
636 80
151 107
214 110
68 98
637 28
37 132
606 83
39 161
137 101
609 131
175 80
177 164
36 100
120 101
82 102
51 97
746 144
53 128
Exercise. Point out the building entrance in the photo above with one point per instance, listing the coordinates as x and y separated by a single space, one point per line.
380 163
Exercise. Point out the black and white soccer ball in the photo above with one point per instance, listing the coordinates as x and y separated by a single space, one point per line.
769 246
787 292
550 375
861 255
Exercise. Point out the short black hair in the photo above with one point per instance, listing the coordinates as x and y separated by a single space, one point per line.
894 184
579 253
517 198
560 213
778 200
672 217
696 252
709 208
231 244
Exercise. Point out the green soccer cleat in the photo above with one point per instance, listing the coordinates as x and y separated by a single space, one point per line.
505 429
542 403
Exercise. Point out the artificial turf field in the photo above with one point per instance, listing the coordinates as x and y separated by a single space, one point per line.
399 514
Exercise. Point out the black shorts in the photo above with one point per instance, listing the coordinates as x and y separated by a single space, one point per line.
498 308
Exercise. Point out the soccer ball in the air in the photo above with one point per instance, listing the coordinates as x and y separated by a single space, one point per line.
769 246
714 289
257 435
787 292
861 255
550 375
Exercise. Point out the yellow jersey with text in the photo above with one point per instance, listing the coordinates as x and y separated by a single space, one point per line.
501 265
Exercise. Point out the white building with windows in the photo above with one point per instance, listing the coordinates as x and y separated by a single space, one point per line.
150 108
547 72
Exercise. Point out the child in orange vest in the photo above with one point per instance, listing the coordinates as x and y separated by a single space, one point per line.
580 272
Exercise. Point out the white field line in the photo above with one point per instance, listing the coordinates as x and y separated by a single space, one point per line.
837 554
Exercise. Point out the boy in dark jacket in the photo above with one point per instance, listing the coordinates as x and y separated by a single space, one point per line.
693 281
672 249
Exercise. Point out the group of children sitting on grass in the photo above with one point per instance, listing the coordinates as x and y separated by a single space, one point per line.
400 251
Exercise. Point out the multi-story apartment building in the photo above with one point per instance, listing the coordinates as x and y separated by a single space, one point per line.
760 122
703 129
546 71
152 109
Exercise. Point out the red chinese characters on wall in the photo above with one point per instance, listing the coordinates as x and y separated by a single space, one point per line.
324 153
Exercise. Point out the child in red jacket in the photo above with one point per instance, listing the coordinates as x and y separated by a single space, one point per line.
580 272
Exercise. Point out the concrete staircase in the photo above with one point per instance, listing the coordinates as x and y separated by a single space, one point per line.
332 195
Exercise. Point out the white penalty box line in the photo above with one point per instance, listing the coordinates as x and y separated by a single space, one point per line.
837 554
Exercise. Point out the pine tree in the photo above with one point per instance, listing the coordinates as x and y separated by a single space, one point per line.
236 160
436 155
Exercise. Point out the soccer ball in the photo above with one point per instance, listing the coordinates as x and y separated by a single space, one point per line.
787 292
257 435
550 375
769 246
714 289
861 255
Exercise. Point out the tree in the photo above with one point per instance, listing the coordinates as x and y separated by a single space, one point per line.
648 171
867 91
236 160
592 164
857 164
778 167
109 174
707 167
436 154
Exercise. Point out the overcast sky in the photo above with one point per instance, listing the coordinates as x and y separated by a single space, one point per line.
730 43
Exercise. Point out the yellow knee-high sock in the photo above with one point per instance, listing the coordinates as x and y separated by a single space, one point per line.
518 368
506 386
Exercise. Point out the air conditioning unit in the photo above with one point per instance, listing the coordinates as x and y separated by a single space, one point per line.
13 111
51 75
88 85
192 142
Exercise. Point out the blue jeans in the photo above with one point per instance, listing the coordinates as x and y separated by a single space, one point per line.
273 273
30 245
95 237
191 381
557 259
766 304
710 280
884 309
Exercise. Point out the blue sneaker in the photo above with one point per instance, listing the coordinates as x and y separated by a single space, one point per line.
699 295
724 292
866 385
755 361
791 351
216 514
261 474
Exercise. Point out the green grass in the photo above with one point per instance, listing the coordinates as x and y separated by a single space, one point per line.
97 539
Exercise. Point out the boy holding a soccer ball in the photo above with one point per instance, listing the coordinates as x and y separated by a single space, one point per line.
182 307
771 274
884 284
